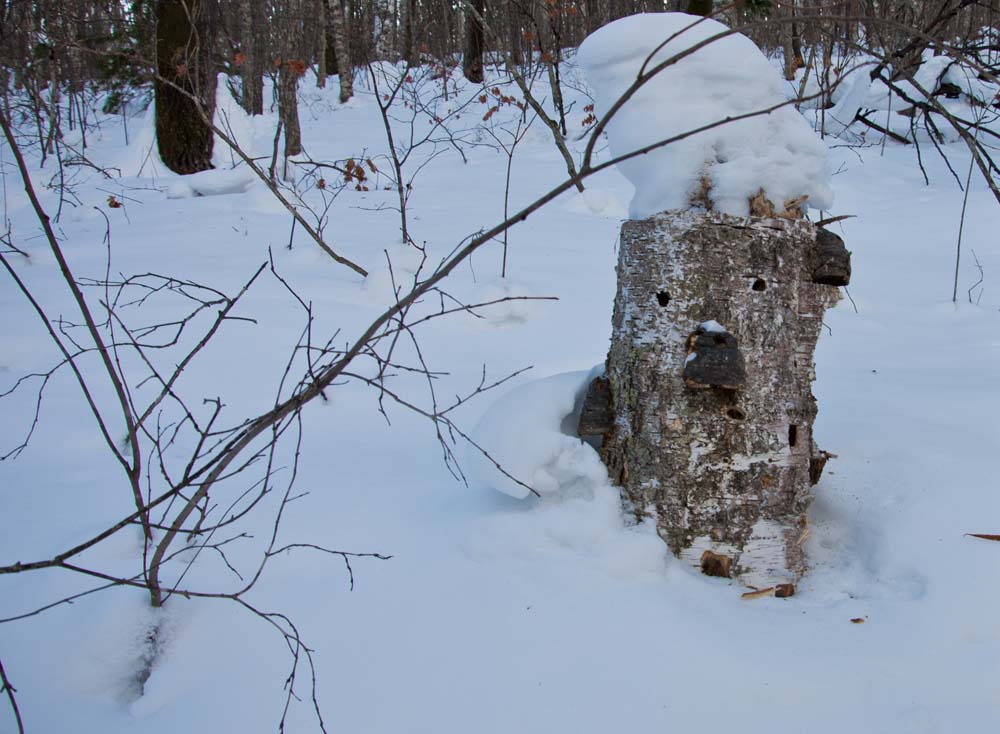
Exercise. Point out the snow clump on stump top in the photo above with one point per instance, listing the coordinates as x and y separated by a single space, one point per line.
729 164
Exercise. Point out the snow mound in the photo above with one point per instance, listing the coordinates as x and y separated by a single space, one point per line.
522 431
212 183
578 516
727 77
599 202
503 314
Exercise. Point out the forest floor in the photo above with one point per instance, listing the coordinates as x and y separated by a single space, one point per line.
496 614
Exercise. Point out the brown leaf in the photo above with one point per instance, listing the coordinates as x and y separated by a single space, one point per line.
984 536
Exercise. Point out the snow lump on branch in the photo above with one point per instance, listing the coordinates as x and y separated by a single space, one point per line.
729 76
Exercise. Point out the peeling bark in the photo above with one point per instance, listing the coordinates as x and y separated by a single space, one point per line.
723 464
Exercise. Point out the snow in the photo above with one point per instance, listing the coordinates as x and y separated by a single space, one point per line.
727 77
498 614
525 436
858 92
212 183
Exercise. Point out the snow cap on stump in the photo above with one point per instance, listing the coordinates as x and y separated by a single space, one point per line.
729 164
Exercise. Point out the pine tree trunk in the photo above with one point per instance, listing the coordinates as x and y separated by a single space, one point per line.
183 62
712 432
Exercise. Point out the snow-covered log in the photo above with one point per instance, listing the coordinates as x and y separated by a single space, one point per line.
715 323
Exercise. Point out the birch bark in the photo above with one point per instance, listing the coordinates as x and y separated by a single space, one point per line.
722 459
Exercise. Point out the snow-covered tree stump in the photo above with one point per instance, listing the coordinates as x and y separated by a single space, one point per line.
715 323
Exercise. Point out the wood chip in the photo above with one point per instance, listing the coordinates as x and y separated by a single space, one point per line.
984 536
714 564
858 620
758 593
783 591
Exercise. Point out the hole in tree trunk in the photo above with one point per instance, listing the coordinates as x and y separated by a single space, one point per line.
759 285
663 298
736 414
793 435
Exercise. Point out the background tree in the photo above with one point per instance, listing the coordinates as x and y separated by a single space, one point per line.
472 63
290 22
343 49
700 7
186 82
249 56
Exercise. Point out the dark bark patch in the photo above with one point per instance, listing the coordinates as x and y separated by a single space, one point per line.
596 416
816 465
714 360
832 260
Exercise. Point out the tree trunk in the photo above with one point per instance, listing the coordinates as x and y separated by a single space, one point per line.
711 362
472 65
330 44
344 67
700 7
288 108
787 31
516 40
251 66
409 10
321 40
185 70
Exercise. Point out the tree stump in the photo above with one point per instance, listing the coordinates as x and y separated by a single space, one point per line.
710 369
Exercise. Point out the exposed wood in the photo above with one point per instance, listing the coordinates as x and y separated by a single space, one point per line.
757 593
783 591
716 564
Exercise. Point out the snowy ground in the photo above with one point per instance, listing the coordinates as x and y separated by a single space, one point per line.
497 614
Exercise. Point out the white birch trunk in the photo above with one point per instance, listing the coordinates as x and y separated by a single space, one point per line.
344 68
719 449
